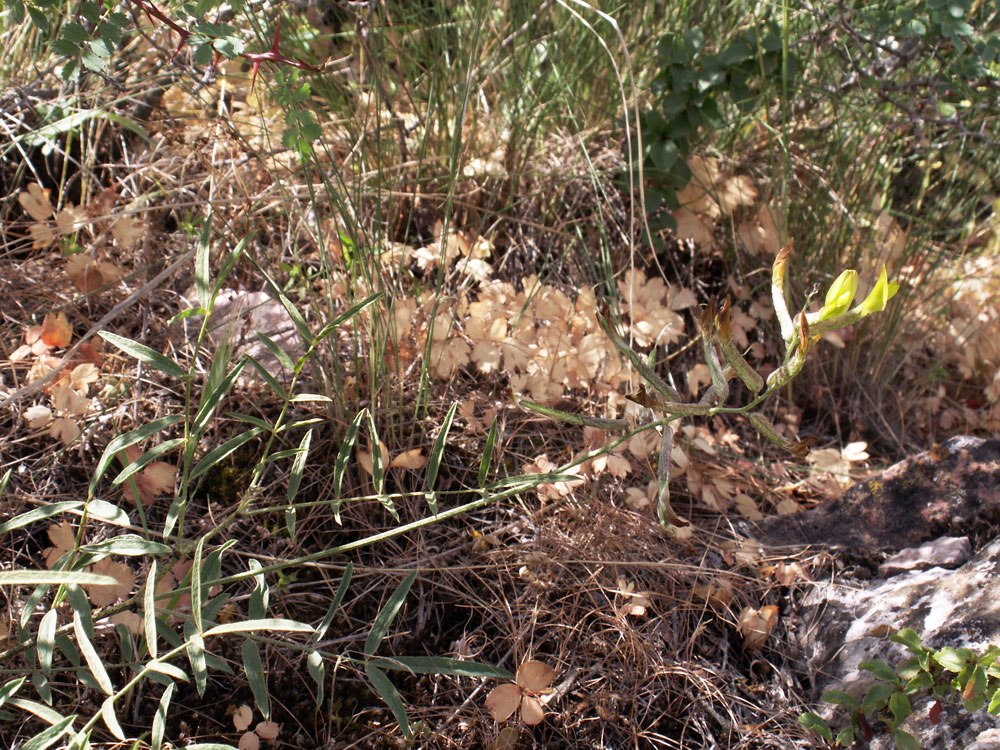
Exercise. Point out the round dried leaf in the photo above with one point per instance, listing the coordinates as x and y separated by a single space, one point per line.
503 701
268 730
532 712
534 676
249 741
62 535
242 718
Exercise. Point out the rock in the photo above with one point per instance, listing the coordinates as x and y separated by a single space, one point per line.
843 626
236 318
942 491
946 552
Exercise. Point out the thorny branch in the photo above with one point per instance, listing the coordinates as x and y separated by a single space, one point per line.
274 54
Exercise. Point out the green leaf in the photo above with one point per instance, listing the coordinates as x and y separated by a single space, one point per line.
208 405
905 740
647 373
299 466
128 545
254 670
142 352
46 641
38 19
317 670
202 274
279 354
950 659
485 461
839 698
344 455
39 514
110 720
221 452
994 707
149 609
900 707
145 459
387 692
196 656
331 611
50 736
378 471
845 737
877 697
126 440
91 656
909 638
881 670
254 626
40 577
10 688
388 613
812 721
160 718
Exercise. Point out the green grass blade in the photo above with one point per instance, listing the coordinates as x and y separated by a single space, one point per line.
331 611
145 459
160 718
388 613
126 440
279 354
209 404
378 471
299 466
437 453
91 656
196 592
390 696
202 275
344 455
221 452
144 354
577 419
487 459
254 670
441 665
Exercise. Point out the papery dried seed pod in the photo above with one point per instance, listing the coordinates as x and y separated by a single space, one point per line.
778 293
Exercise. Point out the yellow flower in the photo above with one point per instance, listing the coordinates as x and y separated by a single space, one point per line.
840 295
878 296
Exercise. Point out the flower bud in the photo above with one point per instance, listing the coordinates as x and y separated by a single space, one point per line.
840 295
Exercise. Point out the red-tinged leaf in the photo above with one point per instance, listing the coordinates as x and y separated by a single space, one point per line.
56 331
934 713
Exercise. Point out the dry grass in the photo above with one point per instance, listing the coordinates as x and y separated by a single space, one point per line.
645 654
